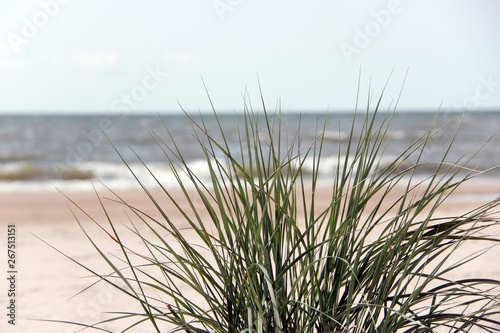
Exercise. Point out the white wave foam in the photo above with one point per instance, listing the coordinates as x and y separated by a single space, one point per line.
18 176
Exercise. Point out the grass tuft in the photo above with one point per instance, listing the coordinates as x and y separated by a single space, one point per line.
262 252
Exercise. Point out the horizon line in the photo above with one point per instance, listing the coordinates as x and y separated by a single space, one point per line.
226 112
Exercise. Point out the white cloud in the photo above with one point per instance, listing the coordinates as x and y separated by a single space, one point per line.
8 59
100 60
9 64
179 57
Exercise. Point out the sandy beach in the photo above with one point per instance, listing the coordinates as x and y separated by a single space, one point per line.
49 284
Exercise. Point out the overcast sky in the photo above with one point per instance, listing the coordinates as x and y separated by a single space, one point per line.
151 55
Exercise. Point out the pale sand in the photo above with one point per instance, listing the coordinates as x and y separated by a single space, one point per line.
47 281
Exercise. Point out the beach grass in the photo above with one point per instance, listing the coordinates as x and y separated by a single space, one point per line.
253 251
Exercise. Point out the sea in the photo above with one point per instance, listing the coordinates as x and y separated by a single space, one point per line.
75 152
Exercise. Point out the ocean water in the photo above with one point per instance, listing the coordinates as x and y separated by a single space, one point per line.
72 152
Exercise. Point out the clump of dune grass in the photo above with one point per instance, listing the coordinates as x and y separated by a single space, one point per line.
263 256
